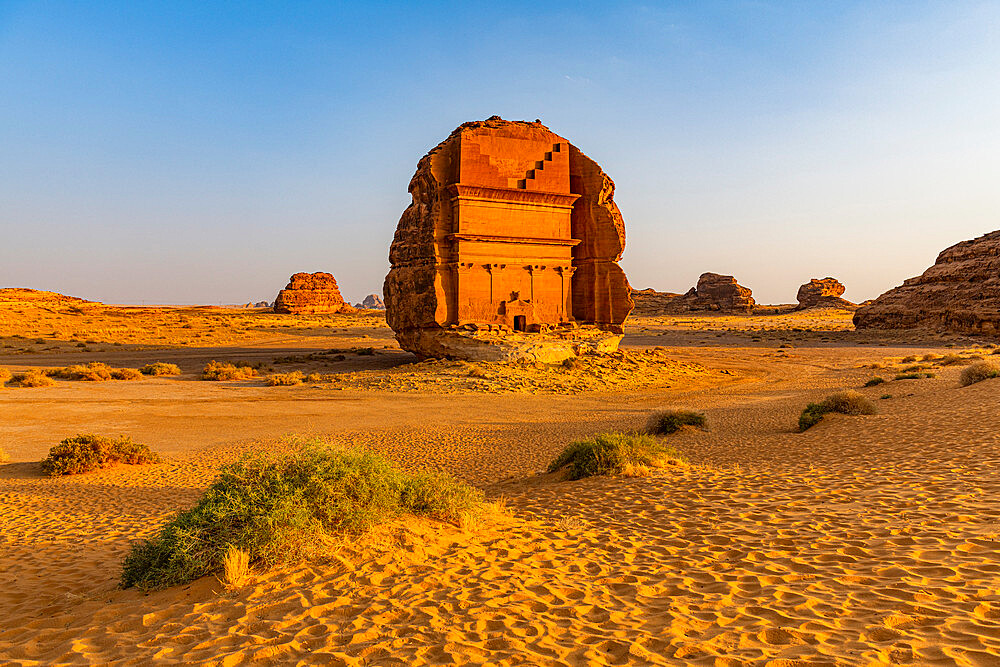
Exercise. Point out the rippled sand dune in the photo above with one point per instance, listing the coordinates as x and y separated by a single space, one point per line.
864 541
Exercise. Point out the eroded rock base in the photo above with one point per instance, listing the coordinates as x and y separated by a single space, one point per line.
495 344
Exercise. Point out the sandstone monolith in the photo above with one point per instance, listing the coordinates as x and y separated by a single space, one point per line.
308 293
512 237
961 292
823 293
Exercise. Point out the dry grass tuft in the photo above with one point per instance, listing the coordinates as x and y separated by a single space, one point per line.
844 402
95 371
979 371
32 378
235 568
665 422
159 368
630 454
220 372
4 456
284 379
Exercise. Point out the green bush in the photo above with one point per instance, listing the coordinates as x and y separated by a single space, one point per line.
664 422
276 508
217 371
615 453
85 453
979 371
32 378
284 379
844 402
160 368
874 382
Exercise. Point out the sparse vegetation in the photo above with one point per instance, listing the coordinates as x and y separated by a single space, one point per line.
235 568
913 376
664 422
979 371
284 379
4 375
85 453
276 508
159 368
908 360
32 378
95 371
950 359
616 454
875 381
221 372
844 402
4 456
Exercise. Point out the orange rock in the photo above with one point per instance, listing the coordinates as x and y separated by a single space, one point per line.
824 293
510 225
961 292
308 293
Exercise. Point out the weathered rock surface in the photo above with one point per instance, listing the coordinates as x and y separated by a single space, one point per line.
650 302
308 293
16 296
371 302
495 344
823 293
718 292
510 225
961 292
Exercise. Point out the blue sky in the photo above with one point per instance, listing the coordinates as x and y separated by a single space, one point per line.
201 152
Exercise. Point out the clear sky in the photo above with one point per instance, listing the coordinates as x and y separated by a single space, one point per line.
201 152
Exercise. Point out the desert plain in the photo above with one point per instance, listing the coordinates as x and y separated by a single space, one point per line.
866 540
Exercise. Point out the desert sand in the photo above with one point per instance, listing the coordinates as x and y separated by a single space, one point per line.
864 541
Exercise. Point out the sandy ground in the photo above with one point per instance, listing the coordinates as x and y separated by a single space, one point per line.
864 541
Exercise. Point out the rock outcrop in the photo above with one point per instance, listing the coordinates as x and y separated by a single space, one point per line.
823 293
510 227
308 293
371 302
650 302
961 292
718 292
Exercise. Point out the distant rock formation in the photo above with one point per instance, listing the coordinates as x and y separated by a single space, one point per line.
961 292
259 304
511 227
371 302
713 292
308 293
15 296
718 292
823 293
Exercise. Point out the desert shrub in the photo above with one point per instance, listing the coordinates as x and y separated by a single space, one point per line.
979 371
235 567
874 382
844 402
950 359
313 377
930 356
915 368
913 376
126 374
32 378
615 453
909 360
276 508
885 396
84 453
996 351
159 368
95 371
4 375
664 422
217 371
284 379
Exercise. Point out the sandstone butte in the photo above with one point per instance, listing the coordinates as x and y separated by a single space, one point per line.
308 293
713 292
508 250
372 302
824 293
961 292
